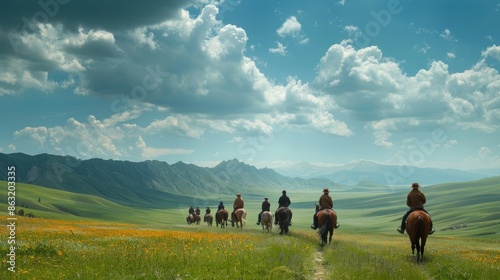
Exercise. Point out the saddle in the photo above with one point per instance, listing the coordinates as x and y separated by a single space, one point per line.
418 209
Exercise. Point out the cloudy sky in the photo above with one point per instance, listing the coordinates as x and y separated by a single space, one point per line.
267 82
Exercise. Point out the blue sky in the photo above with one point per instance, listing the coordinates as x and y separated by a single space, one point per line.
271 83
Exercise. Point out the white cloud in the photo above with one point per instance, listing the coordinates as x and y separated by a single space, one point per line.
450 55
291 27
493 51
280 49
152 153
372 88
447 35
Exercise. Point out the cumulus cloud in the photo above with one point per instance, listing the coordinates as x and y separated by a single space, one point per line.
291 27
108 138
374 89
280 49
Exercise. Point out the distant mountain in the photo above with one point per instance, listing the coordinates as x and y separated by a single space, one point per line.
389 175
149 183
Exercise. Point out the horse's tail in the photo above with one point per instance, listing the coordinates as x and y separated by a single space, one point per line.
284 216
243 216
420 228
324 229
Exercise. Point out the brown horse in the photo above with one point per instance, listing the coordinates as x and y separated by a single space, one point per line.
221 218
238 217
193 219
284 215
418 225
208 218
266 220
327 219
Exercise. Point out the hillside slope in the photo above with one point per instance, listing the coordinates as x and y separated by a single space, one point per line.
149 183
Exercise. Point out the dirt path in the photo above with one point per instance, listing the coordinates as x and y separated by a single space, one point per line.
319 267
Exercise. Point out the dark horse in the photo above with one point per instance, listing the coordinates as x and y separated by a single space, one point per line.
418 225
193 219
221 218
327 219
208 218
284 213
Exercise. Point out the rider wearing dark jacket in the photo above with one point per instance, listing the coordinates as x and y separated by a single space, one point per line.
220 207
415 200
283 201
266 206
325 202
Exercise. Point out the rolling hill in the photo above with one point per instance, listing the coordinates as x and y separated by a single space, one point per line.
150 184
462 209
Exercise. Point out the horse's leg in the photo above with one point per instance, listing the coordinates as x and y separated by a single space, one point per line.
413 248
422 246
417 244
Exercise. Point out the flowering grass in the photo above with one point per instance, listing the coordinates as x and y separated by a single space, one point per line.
58 249
381 256
61 249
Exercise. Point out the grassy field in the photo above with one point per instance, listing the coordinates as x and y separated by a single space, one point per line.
77 236
61 249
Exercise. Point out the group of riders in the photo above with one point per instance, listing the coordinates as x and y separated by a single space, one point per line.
415 200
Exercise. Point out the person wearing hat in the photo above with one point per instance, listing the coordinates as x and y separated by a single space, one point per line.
325 202
283 201
415 200
238 203
266 206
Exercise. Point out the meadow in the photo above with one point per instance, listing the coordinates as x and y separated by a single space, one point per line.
75 236
62 249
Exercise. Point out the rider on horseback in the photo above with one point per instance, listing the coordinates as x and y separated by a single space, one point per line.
191 210
220 207
266 206
415 200
325 202
283 201
238 203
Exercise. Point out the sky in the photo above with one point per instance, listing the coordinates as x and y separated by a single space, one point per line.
270 83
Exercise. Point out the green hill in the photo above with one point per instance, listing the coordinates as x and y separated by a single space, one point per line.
149 184
463 209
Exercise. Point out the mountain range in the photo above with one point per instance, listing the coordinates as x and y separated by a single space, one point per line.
156 184
362 172
150 183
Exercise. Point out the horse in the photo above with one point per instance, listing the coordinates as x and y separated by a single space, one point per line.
193 219
418 225
284 213
327 219
208 218
221 218
239 216
266 220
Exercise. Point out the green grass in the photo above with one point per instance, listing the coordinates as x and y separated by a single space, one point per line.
380 256
472 206
59 249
